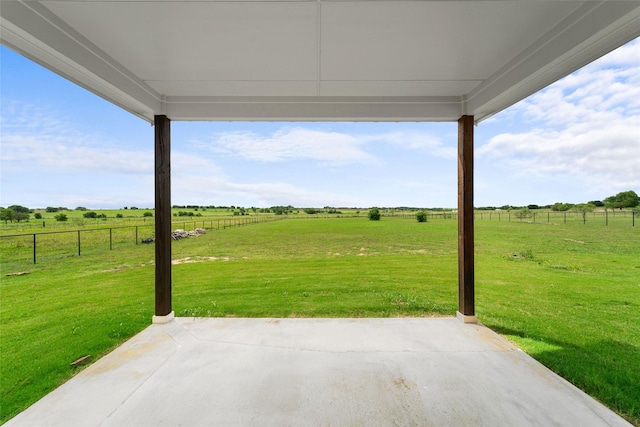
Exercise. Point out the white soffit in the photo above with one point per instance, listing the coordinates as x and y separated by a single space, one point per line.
316 60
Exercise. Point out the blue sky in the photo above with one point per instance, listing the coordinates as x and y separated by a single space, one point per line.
575 141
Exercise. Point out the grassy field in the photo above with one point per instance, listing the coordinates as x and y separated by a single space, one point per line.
568 294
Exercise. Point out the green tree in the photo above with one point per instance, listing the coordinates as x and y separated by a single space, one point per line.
81 208
61 217
374 214
421 216
37 215
561 207
625 199
19 209
147 214
20 216
20 213
51 209
281 210
6 215
584 207
119 215
523 213
90 214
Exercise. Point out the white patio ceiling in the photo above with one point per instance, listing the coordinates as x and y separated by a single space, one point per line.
316 60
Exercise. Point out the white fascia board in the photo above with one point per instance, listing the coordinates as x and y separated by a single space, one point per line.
33 31
592 31
364 109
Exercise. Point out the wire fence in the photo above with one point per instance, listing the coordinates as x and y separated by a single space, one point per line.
39 246
604 218
33 247
52 224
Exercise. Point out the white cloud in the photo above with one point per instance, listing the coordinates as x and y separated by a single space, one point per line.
194 165
19 117
35 140
40 143
203 189
328 148
586 125
422 142
293 143
63 155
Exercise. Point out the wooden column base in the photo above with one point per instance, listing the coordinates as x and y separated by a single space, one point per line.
466 319
160 320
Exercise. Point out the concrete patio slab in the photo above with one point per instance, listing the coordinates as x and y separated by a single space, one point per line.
317 372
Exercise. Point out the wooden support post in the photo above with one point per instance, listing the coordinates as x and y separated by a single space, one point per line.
163 312
466 294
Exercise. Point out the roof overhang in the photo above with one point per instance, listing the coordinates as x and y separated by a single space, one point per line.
320 60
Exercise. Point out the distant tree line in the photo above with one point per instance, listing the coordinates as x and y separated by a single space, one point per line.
622 200
625 199
187 213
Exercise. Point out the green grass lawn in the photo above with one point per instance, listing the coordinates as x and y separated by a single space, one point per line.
568 294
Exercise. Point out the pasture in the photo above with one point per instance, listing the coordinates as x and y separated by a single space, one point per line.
568 294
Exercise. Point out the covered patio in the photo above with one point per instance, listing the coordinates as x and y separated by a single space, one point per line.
317 372
320 60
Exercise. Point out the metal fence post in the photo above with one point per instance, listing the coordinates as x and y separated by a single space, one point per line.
34 248
78 242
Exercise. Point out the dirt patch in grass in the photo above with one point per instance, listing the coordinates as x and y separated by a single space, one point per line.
191 260
574 241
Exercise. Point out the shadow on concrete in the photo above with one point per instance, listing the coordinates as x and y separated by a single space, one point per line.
617 385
